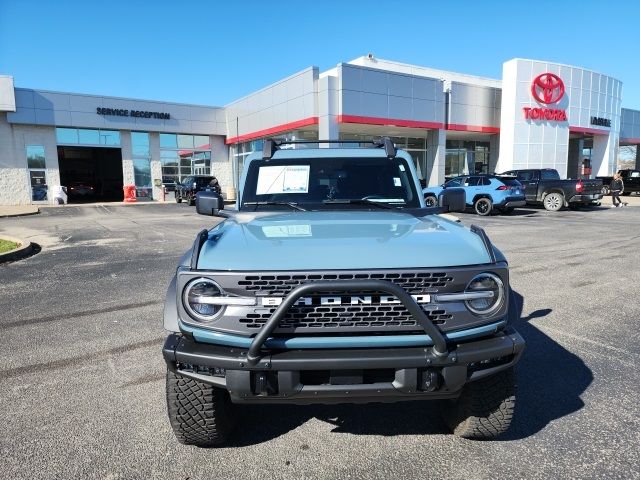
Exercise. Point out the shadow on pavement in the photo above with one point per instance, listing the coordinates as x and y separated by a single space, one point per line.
550 382
550 379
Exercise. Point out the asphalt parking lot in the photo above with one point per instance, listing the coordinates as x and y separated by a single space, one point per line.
82 376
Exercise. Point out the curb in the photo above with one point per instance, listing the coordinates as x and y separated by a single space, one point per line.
18 253
21 214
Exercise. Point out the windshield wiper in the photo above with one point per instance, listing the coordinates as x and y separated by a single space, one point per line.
293 205
361 201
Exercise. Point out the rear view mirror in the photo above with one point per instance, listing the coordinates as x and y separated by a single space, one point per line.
452 200
208 203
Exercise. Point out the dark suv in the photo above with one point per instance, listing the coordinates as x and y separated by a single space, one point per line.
196 183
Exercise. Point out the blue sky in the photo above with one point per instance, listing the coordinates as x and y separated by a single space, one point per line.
213 52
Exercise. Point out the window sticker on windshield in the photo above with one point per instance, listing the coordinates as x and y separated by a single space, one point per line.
283 179
283 231
396 181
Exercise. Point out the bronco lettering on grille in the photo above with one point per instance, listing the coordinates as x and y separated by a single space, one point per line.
345 300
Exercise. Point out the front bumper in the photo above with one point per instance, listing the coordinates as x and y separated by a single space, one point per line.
343 376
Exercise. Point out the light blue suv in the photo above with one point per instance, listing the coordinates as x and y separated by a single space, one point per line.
483 192
331 282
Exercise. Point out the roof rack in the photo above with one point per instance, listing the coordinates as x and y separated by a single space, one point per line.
270 145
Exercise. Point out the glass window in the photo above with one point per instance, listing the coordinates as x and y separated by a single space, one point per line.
140 144
109 137
84 136
525 175
185 155
67 135
472 182
185 141
201 142
332 182
454 182
142 173
35 156
168 140
549 175
486 181
89 137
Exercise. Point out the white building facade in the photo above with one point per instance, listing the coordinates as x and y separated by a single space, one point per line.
539 115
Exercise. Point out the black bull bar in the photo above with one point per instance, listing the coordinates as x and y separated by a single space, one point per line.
439 342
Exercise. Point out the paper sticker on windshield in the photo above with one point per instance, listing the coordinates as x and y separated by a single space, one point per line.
283 179
396 181
282 231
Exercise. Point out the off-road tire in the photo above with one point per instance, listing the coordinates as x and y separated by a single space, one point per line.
605 190
485 409
553 201
191 201
483 206
430 201
178 198
200 414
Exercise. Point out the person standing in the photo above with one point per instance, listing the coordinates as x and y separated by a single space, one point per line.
617 187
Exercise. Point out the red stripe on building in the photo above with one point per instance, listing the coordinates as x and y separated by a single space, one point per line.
273 130
388 122
472 128
590 131
633 141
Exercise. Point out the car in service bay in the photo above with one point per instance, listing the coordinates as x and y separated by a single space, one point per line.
483 192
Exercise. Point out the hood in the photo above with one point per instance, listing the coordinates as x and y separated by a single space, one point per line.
339 240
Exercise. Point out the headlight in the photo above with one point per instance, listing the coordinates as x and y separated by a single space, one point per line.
195 297
491 298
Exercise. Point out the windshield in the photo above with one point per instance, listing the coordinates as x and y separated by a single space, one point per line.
329 183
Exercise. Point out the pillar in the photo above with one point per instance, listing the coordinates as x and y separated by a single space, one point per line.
436 146
494 152
328 128
574 160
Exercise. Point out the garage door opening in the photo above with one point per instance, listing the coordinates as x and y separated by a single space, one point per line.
91 174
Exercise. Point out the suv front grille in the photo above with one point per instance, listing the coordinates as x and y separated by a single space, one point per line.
354 317
413 282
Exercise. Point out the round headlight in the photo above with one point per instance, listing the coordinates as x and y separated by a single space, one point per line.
493 287
195 297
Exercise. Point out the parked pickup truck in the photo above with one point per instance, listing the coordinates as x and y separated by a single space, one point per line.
332 282
630 178
544 186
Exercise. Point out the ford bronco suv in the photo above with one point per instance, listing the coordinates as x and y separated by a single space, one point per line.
331 282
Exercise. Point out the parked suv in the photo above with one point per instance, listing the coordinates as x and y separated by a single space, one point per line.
196 183
483 192
332 283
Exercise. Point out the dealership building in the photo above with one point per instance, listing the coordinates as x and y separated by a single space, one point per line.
539 115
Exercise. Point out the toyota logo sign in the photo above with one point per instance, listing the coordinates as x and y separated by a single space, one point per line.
547 88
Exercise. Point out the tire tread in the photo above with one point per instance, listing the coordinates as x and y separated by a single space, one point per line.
199 414
485 408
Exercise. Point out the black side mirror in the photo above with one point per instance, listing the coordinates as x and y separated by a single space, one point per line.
452 200
208 203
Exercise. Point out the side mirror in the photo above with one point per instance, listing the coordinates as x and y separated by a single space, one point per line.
452 200
208 203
